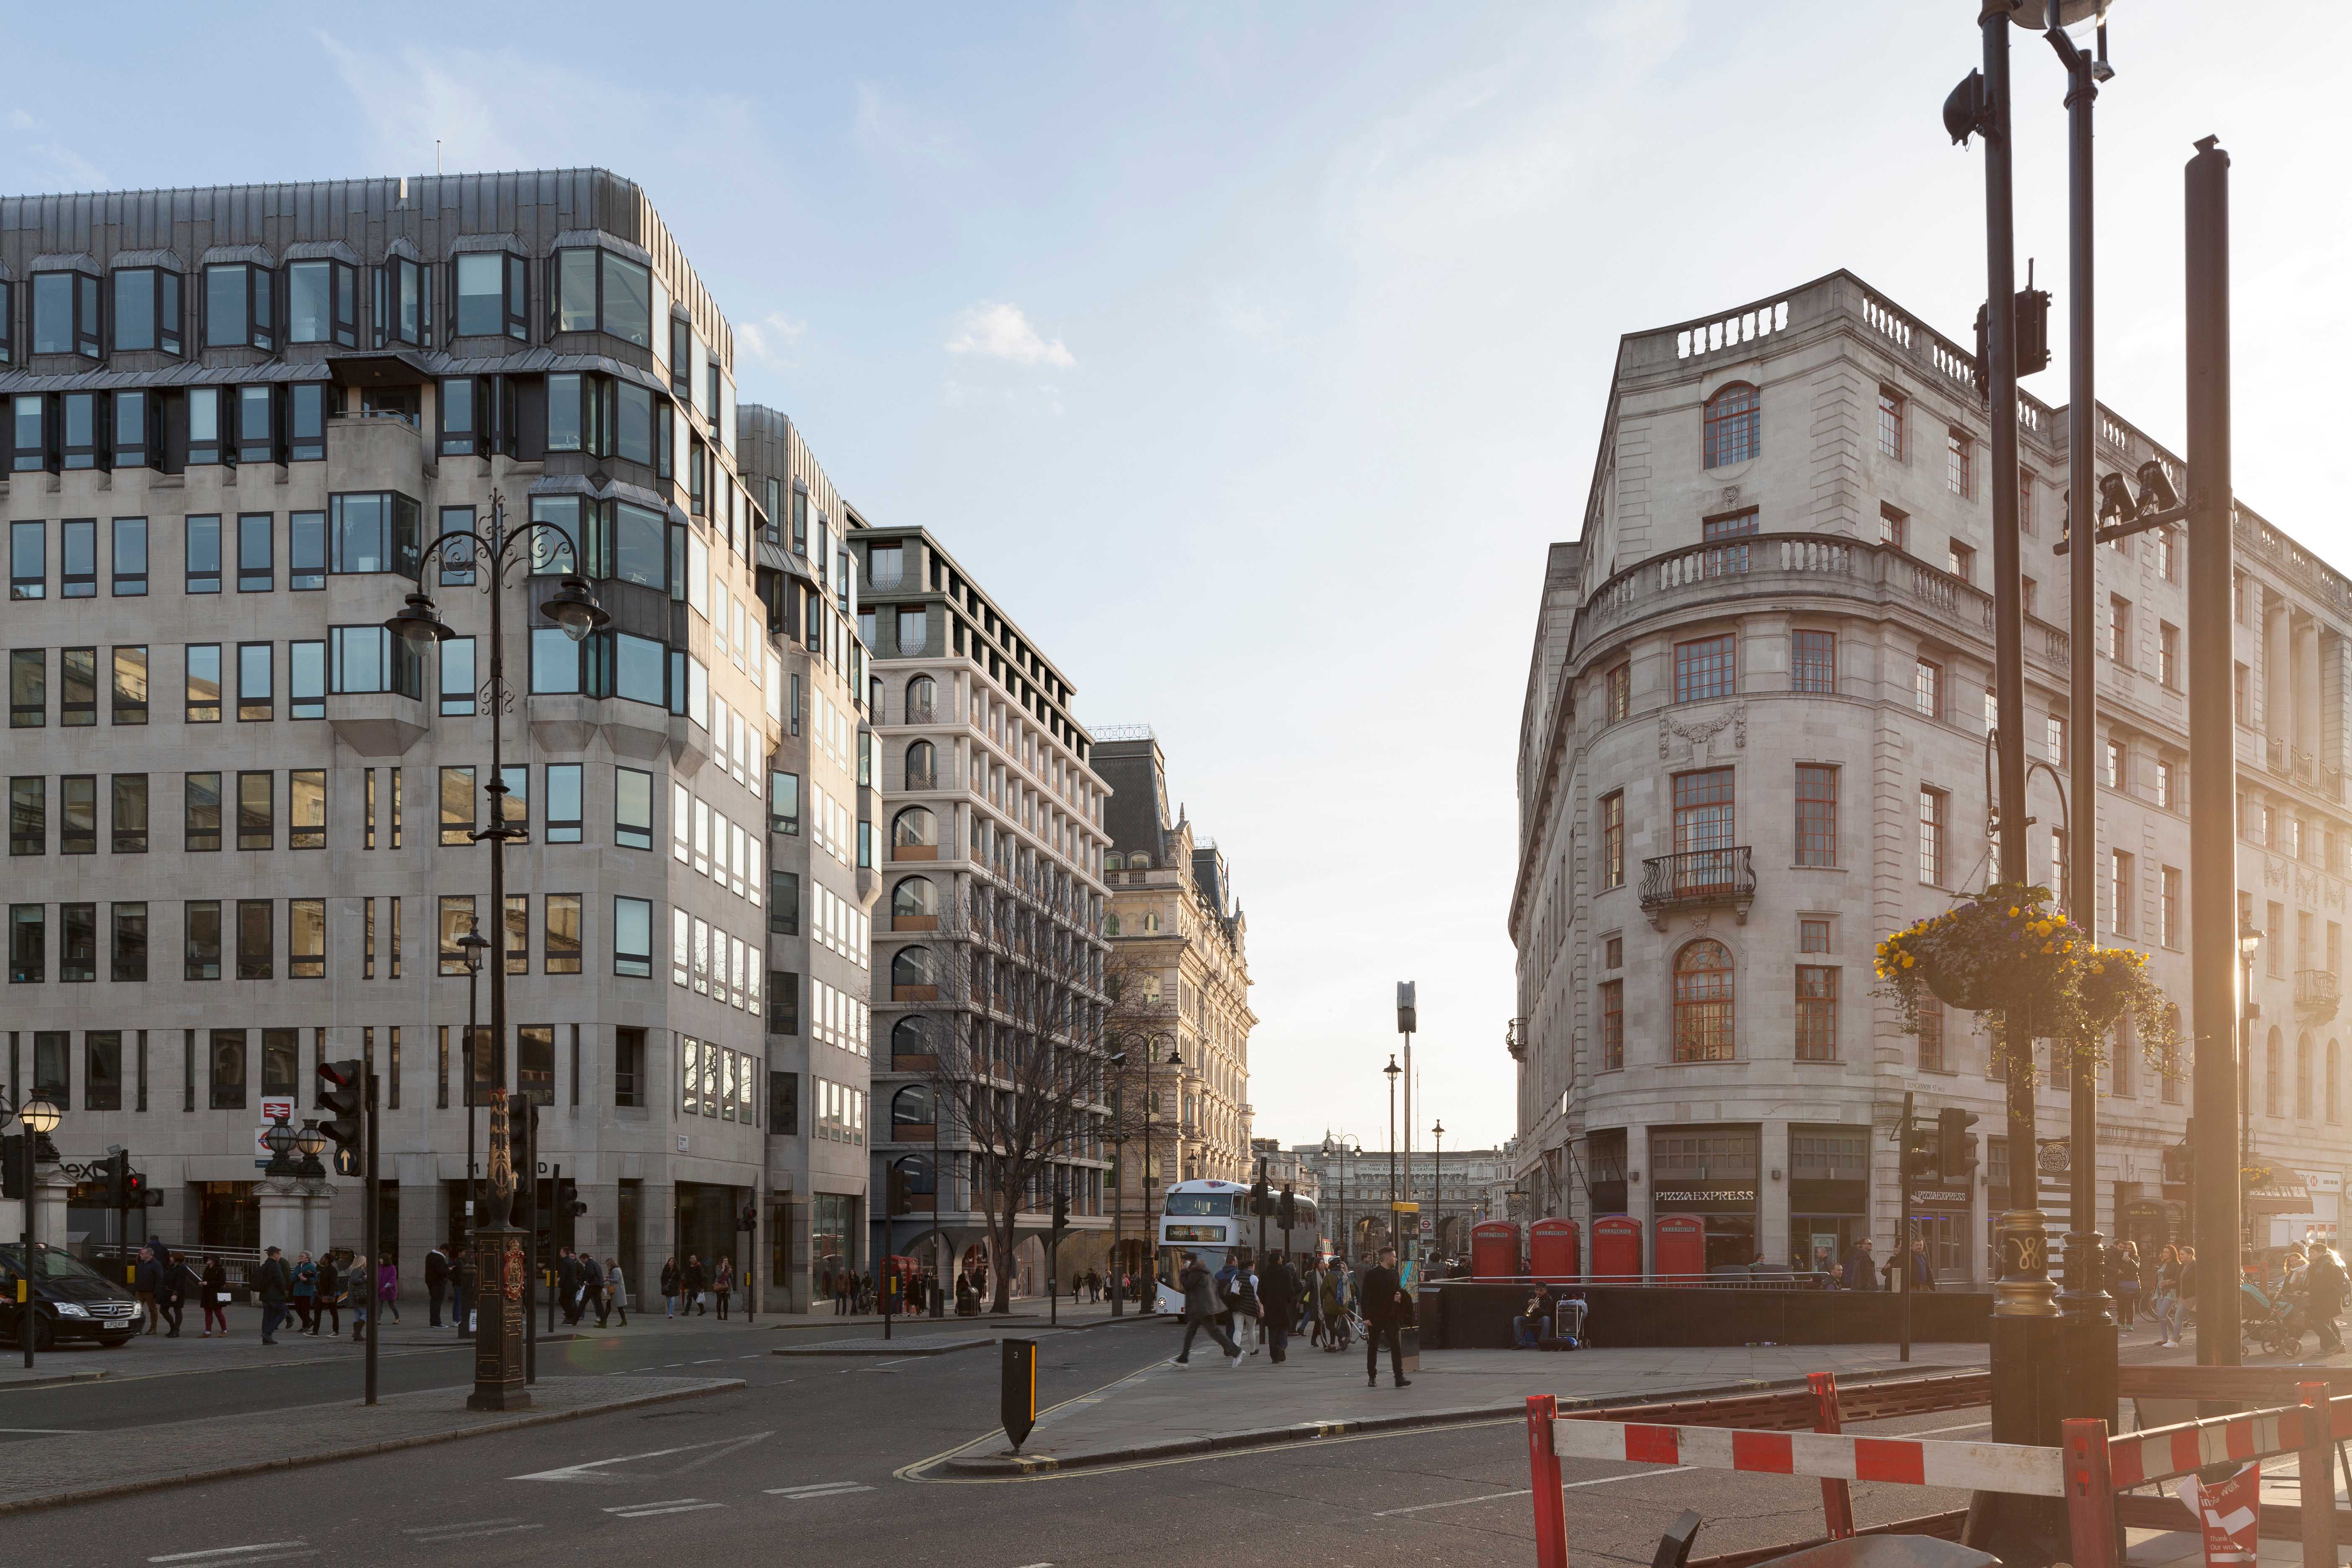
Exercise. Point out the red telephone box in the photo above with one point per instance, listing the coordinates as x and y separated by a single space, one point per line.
1555 1249
1495 1249
1617 1248
1681 1249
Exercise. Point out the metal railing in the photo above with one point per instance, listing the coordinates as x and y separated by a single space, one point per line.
1699 877
2315 989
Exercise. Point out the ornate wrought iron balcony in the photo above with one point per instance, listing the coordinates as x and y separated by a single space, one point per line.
1700 880
2317 994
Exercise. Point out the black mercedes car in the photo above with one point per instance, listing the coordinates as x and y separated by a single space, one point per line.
71 1300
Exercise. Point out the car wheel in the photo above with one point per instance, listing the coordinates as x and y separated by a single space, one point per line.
45 1335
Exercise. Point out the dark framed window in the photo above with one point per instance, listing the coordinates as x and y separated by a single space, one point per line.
601 290
256 939
580 414
133 441
82 416
1612 839
255 700
456 919
29 688
628 1066
1705 668
1817 806
129 793
28 560
377 532
146 311
257 424
1612 1025
239 300
633 938
200 812
306 808
226 1056
256 813
306 422
632 808
52 1072
562 935
78 814
256 564
785 802
306 942
458 678
77 944
77 687
64 314
212 421
518 934
203 683
535 1063
1733 426
128 960
129 558
369 659
561 810
784 902
323 302
28 944
404 302
460 401
1812 662
202 552
29 426
201 939
457 805
1817 1000
305 551
492 294
515 811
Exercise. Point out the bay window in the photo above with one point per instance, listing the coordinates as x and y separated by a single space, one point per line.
146 311
369 659
322 303
238 297
64 314
491 294
306 422
403 303
460 431
256 423
601 290
374 532
28 432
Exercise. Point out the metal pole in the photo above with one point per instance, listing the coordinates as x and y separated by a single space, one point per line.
1117 1196
529 1178
1150 1253
28 1307
1437 1186
373 1229
1903 1231
554 1218
472 1193
2212 783
939 1179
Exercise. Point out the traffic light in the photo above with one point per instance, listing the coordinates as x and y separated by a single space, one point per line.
341 1090
117 1167
2179 1166
138 1193
1289 1210
567 1198
1261 1197
12 1166
2031 346
1061 1209
1955 1149
1920 1152
749 1220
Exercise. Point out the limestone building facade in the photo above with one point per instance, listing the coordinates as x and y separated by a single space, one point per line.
1754 741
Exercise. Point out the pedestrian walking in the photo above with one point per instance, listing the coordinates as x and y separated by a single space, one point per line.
841 1292
2123 1274
461 1288
722 1284
567 1284
591 1287
387 1288
276 1288
215 1296
359 1284
2324 1287
697 1282
147 1280
670 1276
330 1296
1278 1294
306 1293
2184 1294
1386 1310
1861 1267
436 1283
616 1292
1200 1312
171 1293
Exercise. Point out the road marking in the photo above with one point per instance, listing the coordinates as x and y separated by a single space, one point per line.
470 1534
225 1550
676 1505
720 1447
1526 1492
822 1489
47 1431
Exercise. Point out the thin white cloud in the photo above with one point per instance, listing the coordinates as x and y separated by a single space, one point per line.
1000 330
770 338
73 169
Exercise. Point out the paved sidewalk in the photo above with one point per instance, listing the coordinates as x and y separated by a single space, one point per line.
179 1453
1166 1410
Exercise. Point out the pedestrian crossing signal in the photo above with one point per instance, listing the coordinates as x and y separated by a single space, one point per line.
339 1091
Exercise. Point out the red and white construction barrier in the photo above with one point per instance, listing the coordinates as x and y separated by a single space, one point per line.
2136 1459
1907 1461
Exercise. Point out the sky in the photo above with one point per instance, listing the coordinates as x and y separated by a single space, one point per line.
1250 356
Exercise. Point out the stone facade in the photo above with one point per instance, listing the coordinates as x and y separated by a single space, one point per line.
1754 741
238 415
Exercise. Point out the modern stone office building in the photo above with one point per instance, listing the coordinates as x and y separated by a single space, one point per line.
1180 942
1754 743
240 813
989 841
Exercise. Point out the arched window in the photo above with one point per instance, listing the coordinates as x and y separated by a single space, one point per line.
915 834
1702 1002
2274 1075
921 704
914 905
911 1043
1110 925
2334 1106
911 1106
912 976
1114 861
2303 1078
1734 426
922 767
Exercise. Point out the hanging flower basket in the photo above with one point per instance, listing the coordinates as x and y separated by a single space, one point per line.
2005 951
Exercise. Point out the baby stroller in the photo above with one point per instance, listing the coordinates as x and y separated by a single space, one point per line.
2268 1323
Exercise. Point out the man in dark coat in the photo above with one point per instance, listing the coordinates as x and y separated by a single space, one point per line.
436 1282
1278 1290
567 1284
276 1283
1200 1290
1381 1293
1861 1267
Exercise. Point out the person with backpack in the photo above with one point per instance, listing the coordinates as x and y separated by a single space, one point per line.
1242 1303
1201 1314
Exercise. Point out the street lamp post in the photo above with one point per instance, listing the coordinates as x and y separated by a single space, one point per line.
2249 942
1437 1188
1115 1061
38 1117
470 946
574 609
1392 1070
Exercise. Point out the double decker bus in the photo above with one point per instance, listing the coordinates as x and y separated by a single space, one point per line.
1212 1219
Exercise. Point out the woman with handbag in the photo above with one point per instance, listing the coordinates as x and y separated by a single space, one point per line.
215 1279
306 1293
358 1286
722 1284
387 1289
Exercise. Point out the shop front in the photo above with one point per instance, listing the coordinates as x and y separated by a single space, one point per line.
2320 1222
1942 1218
1709 1174
1828 1194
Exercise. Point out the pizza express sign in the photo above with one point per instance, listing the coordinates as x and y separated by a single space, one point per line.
1704 1197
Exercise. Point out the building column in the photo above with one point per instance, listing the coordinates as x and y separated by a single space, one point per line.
318 1205
1772 1238
2306 686
282 1204
50 1193
2278 681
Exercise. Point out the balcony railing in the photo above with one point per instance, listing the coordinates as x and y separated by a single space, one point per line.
2317 994
1700 880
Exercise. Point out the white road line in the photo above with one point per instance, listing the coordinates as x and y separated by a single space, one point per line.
1929 1431
49 1431
470 1534
679 1507
823 1488
225 1550
458 1524
1526 1492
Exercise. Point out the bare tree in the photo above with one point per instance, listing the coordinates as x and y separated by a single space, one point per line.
1020 1075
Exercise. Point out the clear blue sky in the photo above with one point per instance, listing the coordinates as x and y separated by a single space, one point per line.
1252 355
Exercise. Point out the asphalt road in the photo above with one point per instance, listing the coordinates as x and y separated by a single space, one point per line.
817 1461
